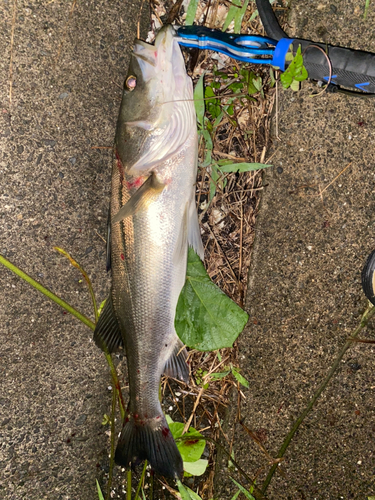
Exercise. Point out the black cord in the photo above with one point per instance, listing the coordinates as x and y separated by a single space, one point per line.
269 20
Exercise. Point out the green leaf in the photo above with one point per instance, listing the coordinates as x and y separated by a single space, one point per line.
101 306
189 446
242 167
234 497
243 490
169 420
183 492
191 11
213 181
193 495
295 85
295 72
239 17
100 494
236 86
218 120
240 378
233 9
206 319
196 468
257 82
219 375
199 100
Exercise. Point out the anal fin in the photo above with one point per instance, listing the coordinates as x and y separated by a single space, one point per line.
176 366
107 334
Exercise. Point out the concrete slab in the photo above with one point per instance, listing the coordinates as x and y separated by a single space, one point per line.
305 295
69 62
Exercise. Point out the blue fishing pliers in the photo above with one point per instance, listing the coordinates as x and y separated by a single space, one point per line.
248 48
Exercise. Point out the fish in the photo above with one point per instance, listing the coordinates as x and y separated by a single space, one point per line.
153 220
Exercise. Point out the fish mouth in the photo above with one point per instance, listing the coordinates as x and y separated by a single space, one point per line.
154 55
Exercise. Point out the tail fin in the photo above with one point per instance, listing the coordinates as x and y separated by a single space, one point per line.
149 439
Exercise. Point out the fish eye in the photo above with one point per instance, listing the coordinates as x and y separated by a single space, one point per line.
131 82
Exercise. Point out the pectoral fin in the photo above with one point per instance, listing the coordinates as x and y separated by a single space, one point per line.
194 233
141 199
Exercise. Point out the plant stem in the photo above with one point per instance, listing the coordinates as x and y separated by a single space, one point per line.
140 481
367 5
129 485
112 459
364 320
47 292
85 275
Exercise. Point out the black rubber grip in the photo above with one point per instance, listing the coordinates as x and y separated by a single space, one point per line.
353 69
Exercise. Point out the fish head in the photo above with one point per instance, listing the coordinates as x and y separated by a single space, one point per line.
157 110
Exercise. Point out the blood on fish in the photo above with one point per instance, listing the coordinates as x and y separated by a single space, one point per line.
165 431
119 166
122 256
136 183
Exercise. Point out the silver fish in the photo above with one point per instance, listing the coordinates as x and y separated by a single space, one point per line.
153 220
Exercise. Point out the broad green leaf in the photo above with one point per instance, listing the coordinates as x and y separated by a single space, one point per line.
191 11
100 494
295 85
286 79
190 447
196 468
243 490
294 72
240 378
169 420
183 492
242 167
257 82
199 100
206 319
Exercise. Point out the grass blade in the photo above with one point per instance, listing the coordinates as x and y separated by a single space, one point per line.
100 494
191 11
248 495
